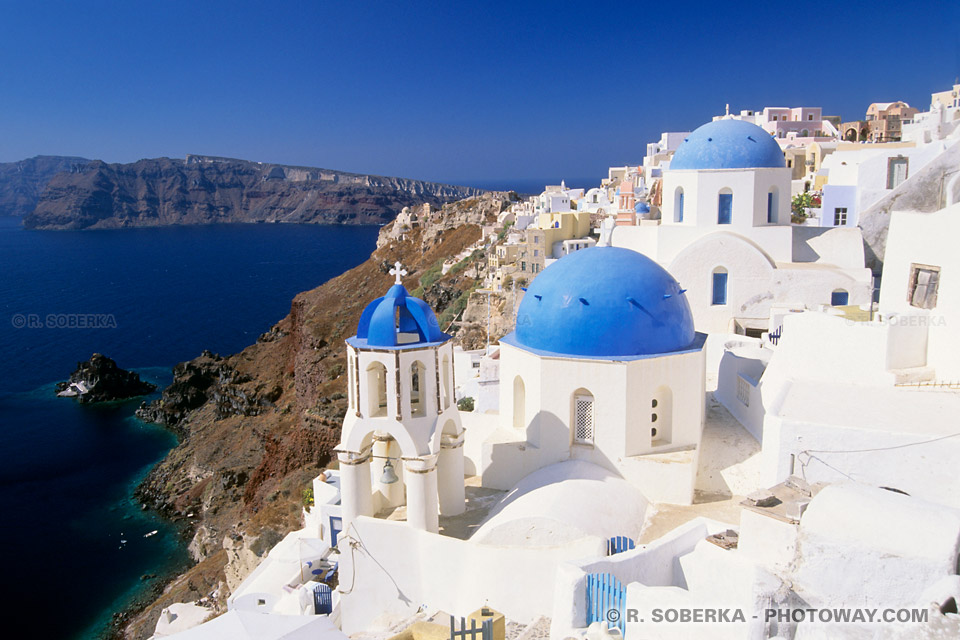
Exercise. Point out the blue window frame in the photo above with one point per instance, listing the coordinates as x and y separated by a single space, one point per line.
839 298
679 213
725 208
771 214
720 287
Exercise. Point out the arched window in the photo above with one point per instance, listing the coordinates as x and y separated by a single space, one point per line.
519 403
772 206
418 384
678 205
376 390
720 286
839 298
804 133
725 206
445 380
583 417
661 417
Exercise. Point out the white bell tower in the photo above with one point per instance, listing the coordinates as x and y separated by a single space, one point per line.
402 440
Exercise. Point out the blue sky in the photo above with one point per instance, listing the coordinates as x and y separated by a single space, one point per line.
449 91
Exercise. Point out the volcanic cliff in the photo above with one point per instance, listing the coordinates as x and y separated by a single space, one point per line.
22 182
257 426
206 189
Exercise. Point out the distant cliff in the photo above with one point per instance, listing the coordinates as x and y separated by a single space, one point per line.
206 189
22 182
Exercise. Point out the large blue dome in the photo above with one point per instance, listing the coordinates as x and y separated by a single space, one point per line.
728 144
397 320
604 302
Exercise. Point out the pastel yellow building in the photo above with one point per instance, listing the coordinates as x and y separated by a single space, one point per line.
946 99
545 240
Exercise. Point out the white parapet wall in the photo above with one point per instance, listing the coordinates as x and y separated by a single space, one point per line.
389 570
864 546
654 564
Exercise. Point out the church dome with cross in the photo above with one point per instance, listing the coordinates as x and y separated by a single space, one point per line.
398 320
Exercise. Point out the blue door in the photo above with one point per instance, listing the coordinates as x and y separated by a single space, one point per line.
336 526
839 298
725 208
606 599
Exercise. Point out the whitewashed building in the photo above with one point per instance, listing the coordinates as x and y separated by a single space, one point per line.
725 232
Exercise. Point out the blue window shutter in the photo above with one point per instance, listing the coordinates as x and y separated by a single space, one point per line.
680 208
720 288
725 212
770 208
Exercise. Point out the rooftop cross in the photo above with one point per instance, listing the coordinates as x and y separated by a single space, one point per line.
398 271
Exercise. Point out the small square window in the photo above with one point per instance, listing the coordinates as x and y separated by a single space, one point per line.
923 286
840 217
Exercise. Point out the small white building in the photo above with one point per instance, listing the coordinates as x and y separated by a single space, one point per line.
725 232
604 367
859 175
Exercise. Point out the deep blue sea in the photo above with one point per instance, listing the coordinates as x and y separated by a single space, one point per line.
73 540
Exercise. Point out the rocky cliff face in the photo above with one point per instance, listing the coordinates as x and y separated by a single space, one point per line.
205 190
22 182
256 427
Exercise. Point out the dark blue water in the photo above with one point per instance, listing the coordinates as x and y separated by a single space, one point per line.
73 540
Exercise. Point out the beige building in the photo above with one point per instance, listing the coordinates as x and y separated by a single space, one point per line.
946 99
545 240
887 118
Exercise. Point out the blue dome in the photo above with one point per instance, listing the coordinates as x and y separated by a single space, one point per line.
642 207
397 320
604 302
728 144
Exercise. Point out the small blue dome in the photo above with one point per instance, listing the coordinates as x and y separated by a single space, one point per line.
728 144
397 320
605 302
642 207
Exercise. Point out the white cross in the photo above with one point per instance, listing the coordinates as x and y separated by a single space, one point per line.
398 271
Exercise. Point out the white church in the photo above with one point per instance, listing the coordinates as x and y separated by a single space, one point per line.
602 369
725 232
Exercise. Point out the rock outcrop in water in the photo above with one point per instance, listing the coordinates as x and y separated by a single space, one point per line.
99 379
22 182
206 190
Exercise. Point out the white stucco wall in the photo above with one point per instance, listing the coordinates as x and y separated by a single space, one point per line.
395 569
917 238
623 416
863 546
653 564
749 187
